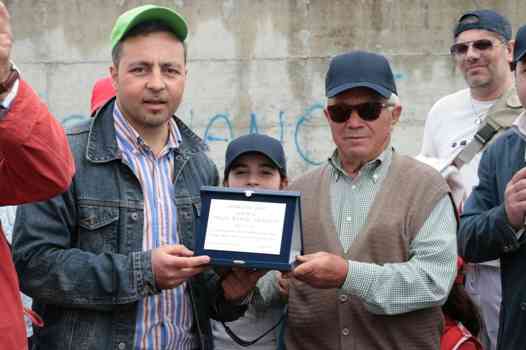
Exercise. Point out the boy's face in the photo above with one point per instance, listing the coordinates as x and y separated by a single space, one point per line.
520 80
255 170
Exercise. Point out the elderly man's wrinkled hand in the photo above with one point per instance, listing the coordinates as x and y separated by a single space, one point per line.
321 270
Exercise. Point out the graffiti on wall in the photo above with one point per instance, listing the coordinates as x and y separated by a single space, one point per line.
301 126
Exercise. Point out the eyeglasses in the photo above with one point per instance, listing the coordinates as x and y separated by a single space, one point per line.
368 111
460 49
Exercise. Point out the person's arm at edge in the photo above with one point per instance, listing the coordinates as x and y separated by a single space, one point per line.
36 162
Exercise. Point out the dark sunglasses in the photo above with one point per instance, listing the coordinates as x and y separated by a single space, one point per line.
368 111
461 49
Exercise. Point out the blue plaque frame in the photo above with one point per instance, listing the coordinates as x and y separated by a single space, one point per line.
292 236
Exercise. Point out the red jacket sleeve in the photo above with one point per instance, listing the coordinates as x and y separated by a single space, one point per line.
469 345
35 159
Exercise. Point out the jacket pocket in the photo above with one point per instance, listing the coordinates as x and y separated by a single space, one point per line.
98 228
188 211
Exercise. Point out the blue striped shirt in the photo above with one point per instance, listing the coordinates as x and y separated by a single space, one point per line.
164 320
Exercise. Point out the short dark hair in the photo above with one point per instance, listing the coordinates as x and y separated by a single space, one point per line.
143 29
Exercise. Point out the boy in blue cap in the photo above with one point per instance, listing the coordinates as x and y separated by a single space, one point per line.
256 161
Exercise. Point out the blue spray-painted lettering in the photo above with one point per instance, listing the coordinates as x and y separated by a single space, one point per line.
302 119
253 124
281 125
221 123
218 117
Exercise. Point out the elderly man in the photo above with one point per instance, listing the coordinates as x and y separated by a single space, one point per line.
35 164
108 263
482 51
493 221
379 228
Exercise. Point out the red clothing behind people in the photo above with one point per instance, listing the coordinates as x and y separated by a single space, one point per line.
457 337
35 164
101 93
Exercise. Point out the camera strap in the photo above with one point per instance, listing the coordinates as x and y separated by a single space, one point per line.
500 117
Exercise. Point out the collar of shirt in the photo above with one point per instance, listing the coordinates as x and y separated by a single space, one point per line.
374 169
6 103
126 134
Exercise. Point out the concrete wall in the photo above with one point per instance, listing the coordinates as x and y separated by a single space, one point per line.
255 65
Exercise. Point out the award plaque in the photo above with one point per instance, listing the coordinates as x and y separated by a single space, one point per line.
250 228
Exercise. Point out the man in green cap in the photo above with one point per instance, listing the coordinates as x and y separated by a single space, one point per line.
109 263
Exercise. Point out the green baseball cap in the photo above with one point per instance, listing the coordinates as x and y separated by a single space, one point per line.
131 18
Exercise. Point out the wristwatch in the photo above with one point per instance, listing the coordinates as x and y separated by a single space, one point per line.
7 84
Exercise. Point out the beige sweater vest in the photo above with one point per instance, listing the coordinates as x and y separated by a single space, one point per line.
327 319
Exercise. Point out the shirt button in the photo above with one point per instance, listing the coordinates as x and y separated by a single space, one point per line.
122 346
134 216
343 298
353 187
523 306
345 331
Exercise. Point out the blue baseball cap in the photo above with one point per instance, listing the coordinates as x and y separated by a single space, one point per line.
266 145
519 49
359 69
486 20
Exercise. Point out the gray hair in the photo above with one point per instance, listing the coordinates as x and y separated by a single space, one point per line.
393 101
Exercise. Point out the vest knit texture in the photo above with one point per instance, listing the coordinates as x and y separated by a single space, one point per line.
325 318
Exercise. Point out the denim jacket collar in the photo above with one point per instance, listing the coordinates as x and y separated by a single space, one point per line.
102 144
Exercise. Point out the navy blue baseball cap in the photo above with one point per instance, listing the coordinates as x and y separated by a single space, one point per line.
266 145
486 20
359 69
519 50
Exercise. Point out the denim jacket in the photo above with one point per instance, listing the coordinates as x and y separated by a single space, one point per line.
79 255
